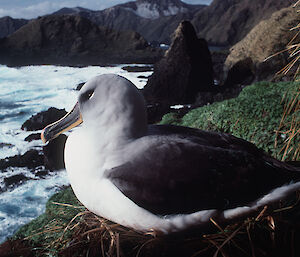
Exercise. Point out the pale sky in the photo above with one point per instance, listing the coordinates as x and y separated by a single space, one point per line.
33 8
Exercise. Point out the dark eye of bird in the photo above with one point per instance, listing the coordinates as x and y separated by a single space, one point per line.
87 95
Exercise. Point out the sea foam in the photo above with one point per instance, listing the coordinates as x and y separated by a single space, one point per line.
24 92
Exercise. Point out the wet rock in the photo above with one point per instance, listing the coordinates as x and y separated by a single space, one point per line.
15 180
54 153
31 137
42 119
40 173
137 68
31 159
185 70
79 86
143 77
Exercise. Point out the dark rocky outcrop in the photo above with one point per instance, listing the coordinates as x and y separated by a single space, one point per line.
225 22
79 86
30 159
185 70
42 119
248 60
13 181
9 25
54 153
32 137
40 163
73 40
52 156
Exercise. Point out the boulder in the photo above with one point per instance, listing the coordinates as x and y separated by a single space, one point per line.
34 136
42 119
52 157
31 159
13 181
54 153
249 57
79 86
185 70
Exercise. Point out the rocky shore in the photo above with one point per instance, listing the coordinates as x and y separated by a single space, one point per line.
215 89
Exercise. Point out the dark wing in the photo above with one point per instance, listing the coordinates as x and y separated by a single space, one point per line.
182 173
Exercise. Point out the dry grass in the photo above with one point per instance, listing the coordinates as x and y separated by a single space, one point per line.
270 233
291 130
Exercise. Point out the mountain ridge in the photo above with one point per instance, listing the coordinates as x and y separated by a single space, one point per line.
73 40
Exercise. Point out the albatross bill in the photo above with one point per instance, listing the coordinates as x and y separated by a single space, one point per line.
161 177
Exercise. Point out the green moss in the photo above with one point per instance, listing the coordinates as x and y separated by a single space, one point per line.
254 115
49 227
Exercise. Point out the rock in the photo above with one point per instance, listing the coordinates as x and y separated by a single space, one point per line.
73 40
248 57
54 153
218 60
79 86
226 22
40 173
15 180
137 68
30 159
240 73
143 77
185 70
42 119
156 111
52 157
31 137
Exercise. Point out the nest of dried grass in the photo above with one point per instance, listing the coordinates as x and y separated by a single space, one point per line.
272 232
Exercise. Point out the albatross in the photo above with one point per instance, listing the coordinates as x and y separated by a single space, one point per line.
161 178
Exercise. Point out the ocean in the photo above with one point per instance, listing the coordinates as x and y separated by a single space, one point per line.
25 91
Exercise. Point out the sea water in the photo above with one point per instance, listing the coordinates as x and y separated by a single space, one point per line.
24 92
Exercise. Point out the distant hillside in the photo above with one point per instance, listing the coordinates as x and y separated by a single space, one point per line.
155 20
73 40
9 25
265 39
222 23
225 22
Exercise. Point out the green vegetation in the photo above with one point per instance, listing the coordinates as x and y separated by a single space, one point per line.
254 115
49 228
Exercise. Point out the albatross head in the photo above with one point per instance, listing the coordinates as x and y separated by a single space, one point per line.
106 104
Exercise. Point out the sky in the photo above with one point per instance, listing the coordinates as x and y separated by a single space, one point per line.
32 8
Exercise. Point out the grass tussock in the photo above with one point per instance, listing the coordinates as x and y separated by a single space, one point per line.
291 128
74 231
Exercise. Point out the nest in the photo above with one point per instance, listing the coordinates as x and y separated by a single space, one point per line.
272 232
